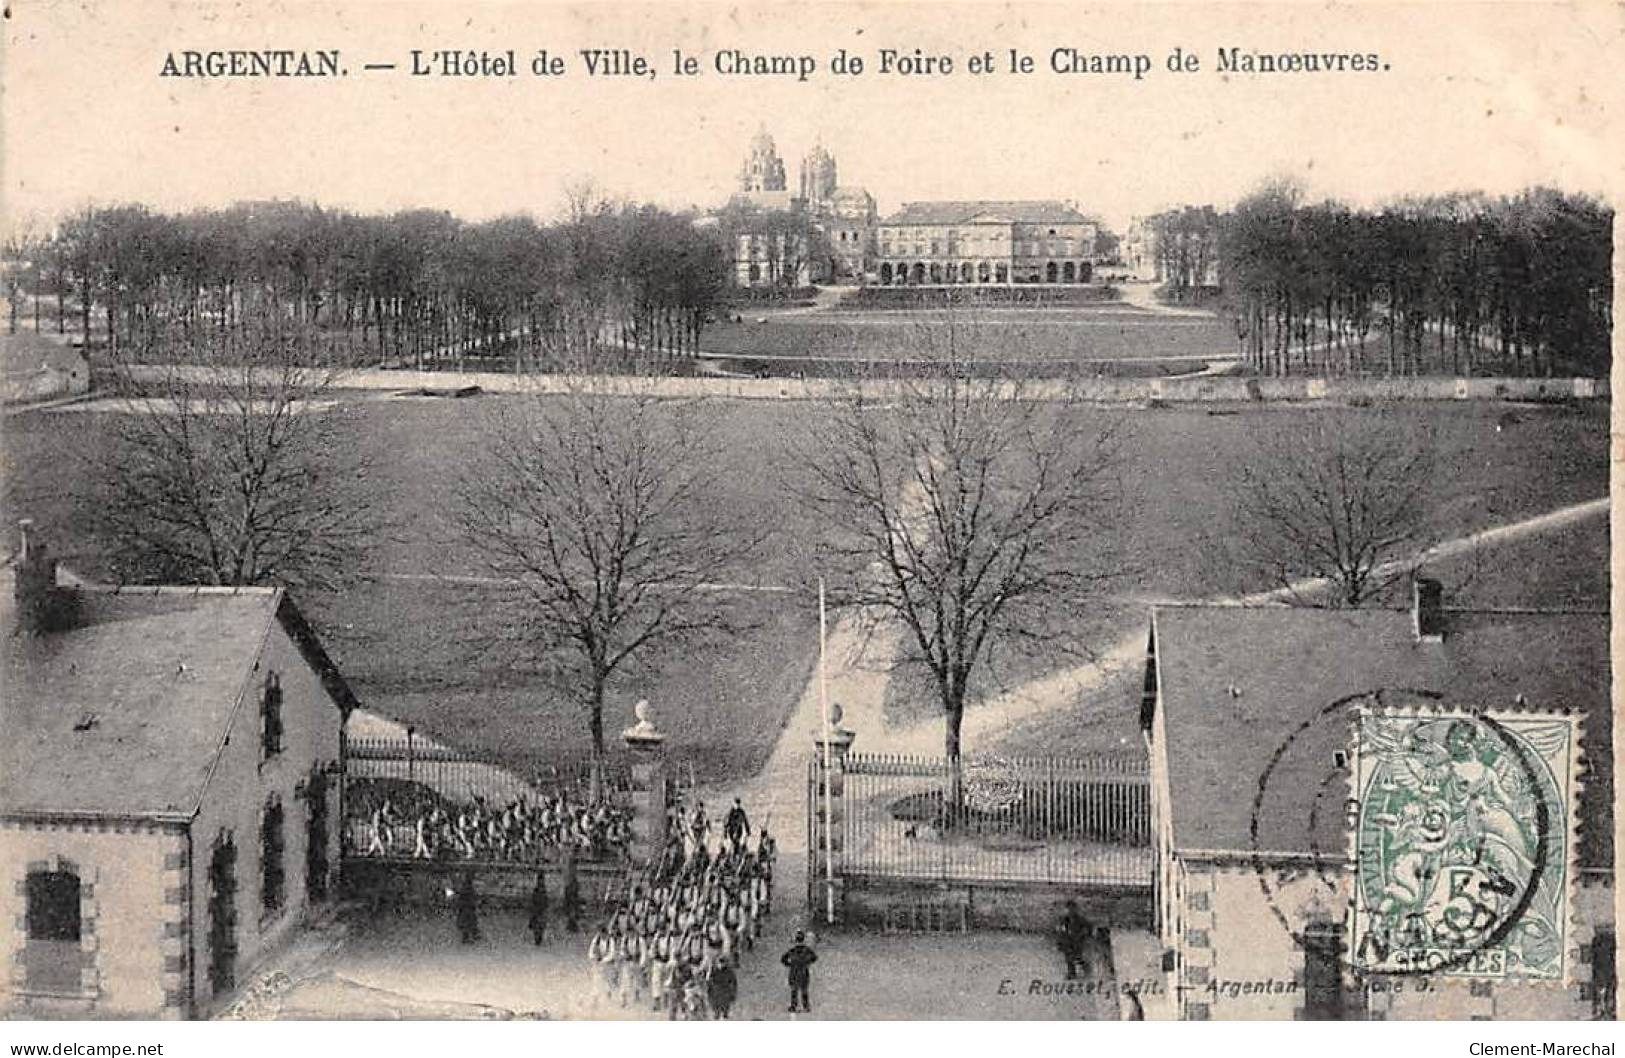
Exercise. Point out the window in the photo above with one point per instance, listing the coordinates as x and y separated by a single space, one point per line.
272 875
53 906
53 958
271 717
223 915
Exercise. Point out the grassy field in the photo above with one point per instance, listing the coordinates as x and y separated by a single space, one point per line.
413 647
1004 335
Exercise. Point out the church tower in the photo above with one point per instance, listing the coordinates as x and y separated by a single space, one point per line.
763 169
818 179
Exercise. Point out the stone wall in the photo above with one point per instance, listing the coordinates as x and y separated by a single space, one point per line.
886 903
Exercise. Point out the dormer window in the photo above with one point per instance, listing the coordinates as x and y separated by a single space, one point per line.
271 717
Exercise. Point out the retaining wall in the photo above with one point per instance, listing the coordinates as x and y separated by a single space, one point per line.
878 903
396 883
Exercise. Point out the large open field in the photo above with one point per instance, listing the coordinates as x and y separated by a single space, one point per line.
419 649
1115 332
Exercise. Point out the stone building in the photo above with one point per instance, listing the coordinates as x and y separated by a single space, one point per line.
848 222
978 243
1255 720
824 232
168 791
776 254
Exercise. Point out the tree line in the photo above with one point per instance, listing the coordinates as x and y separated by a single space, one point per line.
417 287
1457 284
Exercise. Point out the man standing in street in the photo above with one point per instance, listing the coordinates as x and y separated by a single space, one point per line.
468 909
572 895
1071 938
736 826
538 908
799 959
723 988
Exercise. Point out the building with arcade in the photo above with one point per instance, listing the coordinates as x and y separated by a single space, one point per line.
986 242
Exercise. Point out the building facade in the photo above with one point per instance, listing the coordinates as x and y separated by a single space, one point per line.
848 222
980 243
168 792
824 232
1251 715
775 255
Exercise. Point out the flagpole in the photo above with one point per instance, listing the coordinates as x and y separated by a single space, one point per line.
823 707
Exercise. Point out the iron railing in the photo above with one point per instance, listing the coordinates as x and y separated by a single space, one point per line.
1076 821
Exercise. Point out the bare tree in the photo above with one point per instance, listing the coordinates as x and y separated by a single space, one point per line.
1334 502
599 506
967 512
231 466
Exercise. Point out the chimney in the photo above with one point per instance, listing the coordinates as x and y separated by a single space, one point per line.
35 587
1427 609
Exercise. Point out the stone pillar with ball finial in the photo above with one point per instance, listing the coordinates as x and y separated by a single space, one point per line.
830 747
649 793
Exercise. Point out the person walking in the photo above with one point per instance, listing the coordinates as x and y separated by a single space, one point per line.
723 988
468 909
572 896
799 960
538 908
736 826
1071 937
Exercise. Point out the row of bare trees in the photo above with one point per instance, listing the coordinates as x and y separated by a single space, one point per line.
420 286
1457 284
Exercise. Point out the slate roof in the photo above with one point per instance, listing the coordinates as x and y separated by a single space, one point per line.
987 211
125 713
1288 665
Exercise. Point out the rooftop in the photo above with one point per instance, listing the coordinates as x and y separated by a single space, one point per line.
125 712
987 212
1254 723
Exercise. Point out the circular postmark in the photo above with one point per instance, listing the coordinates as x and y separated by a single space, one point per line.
1449 819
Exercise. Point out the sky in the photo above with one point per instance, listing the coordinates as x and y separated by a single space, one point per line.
1483 96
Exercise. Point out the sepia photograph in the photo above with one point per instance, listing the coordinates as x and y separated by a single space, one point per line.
836 512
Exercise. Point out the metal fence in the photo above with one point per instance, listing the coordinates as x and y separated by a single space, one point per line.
458 776
1074 821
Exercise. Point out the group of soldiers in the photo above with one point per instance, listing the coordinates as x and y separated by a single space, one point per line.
674 941
517 833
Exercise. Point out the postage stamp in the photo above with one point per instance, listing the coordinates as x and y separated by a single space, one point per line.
1462 844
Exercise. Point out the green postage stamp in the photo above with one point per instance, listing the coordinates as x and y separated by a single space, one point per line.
1463 843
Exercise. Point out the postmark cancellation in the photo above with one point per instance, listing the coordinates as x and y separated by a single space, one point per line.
1463 842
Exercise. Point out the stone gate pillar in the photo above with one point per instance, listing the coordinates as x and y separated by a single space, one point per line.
649 803
828 812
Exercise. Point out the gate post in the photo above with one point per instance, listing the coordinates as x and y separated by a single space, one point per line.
649 807
828 808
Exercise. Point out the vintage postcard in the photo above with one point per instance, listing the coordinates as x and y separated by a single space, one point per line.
834 511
